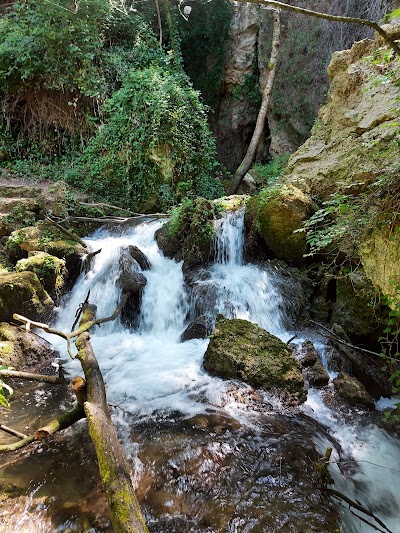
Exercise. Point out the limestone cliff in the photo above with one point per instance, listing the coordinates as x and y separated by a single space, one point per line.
301 82
354 150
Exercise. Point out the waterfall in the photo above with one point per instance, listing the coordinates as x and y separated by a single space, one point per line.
159 380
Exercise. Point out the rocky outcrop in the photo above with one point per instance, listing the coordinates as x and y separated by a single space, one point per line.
132 282
44 237
355 138
22 349
49 269
241 350
276 213
22 293
313 369
352 390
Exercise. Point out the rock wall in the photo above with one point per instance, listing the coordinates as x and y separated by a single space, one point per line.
301 83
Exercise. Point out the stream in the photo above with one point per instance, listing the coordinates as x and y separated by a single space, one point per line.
209 455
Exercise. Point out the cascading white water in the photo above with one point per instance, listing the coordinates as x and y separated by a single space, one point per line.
149 370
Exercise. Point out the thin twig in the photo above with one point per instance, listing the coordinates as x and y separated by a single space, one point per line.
13 432
335 337
29 376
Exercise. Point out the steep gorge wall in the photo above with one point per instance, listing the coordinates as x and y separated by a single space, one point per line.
301 83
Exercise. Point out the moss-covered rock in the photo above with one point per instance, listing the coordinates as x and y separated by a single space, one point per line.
5 263
44 237
22 293
49 269
188 234
357 308
22 349
239 349
276 213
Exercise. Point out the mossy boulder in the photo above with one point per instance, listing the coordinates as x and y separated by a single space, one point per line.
357 308
49 269
276 213
187 236
44 237
241 350
22 349
22 293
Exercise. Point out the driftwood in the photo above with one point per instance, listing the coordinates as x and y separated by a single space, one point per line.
113 220
29 376
13 432
114 470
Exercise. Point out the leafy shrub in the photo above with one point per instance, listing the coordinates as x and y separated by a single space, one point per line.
267 174
154 144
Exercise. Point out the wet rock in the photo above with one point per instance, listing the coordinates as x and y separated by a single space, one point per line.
307 355
22 293
239 349
352 390
132 282
140 257
364 367
356 308
198 329
49 269
46 238
316 375
276 213
203 294
22 349
5 263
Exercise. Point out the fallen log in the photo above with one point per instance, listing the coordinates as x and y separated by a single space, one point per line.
29 376
126 515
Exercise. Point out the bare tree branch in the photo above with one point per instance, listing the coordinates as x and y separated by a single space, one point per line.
326 16
29 376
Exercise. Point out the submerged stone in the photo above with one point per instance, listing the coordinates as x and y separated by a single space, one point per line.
241 350
198 329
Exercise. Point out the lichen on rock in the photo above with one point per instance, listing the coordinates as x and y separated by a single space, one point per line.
241 350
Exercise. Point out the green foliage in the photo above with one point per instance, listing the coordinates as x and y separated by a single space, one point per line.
155 136
267 174
338 227
203 38
390 352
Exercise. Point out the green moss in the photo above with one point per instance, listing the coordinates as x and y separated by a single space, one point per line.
276 213
50 270
239 349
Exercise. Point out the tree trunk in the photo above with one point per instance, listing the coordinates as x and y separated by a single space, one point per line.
262 114
126 515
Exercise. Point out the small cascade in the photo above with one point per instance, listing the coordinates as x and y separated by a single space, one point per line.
228 241
200 435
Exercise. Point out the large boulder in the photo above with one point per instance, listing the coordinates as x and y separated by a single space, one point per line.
276 213
241 350
44 237
22 293
139 257
355 138
22 349
49 269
